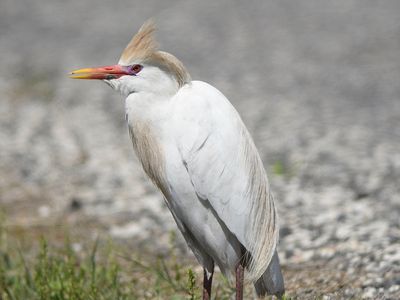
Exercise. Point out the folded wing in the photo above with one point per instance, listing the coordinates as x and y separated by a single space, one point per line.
226 170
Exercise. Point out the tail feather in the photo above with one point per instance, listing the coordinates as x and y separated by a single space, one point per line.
271 282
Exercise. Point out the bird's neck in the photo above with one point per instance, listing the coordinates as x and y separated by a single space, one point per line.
151 108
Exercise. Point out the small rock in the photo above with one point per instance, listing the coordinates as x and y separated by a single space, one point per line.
75 204
369 293
285 231
394 288
77 247
132 229
44 211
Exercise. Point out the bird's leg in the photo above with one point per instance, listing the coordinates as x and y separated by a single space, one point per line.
207 282
239 281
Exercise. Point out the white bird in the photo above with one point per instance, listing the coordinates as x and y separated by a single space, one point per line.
196 149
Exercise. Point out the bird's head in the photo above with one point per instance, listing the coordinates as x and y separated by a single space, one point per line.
141 68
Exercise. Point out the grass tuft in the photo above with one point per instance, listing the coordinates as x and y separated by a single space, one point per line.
191 285
47 270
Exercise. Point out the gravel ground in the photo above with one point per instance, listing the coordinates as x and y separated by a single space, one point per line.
316 82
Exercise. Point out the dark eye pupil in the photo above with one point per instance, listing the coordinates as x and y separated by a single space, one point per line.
136 68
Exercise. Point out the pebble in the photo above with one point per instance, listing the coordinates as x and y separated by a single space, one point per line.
394 288
369 293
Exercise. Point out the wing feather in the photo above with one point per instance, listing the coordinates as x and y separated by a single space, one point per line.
226 170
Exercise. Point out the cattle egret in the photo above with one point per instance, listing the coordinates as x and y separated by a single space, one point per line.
195 148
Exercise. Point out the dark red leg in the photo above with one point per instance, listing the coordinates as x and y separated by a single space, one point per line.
207 282
239 282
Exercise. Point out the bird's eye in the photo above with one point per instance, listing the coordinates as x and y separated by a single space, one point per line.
136 69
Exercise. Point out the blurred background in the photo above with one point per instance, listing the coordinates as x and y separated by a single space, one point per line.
316 82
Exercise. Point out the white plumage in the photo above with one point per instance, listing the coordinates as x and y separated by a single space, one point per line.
194 146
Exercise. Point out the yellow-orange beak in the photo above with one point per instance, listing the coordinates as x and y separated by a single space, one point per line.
102 73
